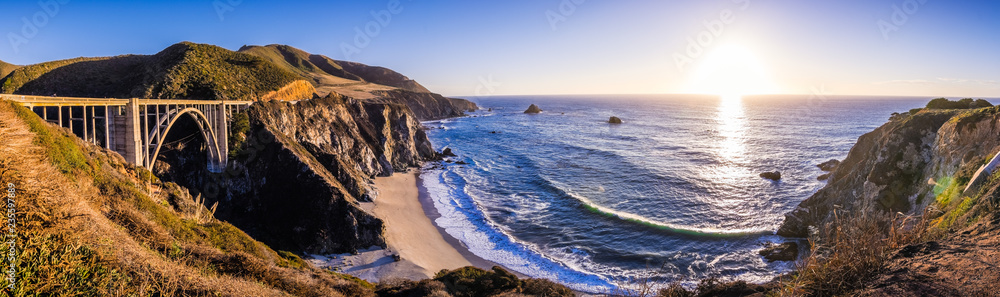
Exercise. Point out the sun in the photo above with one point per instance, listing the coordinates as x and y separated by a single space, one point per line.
731 71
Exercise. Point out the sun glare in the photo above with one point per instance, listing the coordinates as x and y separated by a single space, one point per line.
731 71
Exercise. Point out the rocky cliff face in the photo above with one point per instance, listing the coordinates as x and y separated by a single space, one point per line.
305 166
427 106
902 166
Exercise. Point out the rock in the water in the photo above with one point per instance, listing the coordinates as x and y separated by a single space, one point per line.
787 251
614 120
771 175
533 109
447 152
824 176
829 165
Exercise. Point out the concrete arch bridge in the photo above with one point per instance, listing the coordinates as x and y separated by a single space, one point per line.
137 128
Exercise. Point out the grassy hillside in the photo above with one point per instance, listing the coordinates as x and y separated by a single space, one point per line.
320 69
184 70
6 68
383 76
91 224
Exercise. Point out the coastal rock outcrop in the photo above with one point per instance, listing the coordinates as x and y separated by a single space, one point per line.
786 251
614 120
829 165
427 106
888 169
771 175
533 109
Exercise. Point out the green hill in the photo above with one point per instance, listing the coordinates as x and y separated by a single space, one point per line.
184 70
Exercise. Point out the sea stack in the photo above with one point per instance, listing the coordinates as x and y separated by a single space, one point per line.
533 109
771 175
614 120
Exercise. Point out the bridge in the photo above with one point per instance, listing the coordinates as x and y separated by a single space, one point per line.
137 128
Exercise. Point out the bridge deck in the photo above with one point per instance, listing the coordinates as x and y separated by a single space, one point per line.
32 101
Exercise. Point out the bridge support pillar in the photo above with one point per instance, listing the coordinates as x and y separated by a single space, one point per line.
133 133
221 135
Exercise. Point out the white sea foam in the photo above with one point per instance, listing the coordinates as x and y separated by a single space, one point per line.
463 219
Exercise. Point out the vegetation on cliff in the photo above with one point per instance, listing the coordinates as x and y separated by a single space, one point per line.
967 103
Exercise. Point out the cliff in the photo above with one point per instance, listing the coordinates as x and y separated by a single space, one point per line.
427 106
297 179
902 166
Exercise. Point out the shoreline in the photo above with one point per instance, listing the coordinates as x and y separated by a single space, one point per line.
416 247
432 213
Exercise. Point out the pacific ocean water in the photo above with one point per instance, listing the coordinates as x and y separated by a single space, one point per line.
670 195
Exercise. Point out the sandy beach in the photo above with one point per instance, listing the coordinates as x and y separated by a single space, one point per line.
423 249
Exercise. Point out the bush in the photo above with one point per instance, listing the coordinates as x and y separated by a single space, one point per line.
967 103
238 133
474 282
544 287
408 288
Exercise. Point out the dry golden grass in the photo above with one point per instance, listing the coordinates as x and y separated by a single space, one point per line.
297 90
850 251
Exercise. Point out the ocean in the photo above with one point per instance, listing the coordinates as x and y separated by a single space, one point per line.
670 195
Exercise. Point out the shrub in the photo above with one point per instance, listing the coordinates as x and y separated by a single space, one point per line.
967 103
238 133
848 252
408 288
544 287
474 282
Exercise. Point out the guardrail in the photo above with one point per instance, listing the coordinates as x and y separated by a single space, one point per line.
32 101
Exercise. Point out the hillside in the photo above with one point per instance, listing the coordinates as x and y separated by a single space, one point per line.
91 224
7 68
361 81
383 76
200 71
319 69
184 70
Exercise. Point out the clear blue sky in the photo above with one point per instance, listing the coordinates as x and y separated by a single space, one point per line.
943 48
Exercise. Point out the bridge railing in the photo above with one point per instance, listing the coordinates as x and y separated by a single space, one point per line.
31 101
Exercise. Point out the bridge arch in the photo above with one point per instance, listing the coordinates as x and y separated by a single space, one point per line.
216 157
